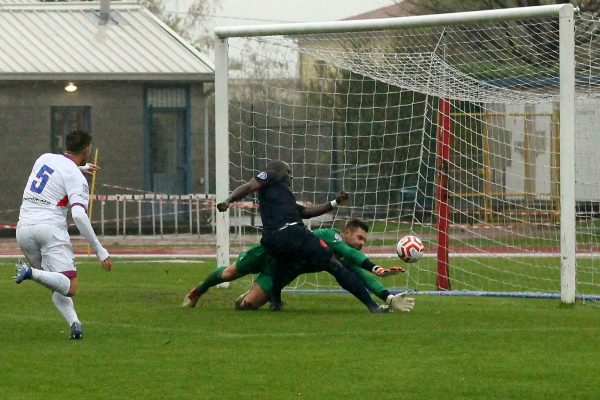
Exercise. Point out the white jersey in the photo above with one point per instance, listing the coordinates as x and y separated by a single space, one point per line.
55 183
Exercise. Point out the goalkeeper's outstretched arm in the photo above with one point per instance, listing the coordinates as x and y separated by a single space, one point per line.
381 271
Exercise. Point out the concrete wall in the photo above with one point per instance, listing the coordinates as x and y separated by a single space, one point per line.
117 128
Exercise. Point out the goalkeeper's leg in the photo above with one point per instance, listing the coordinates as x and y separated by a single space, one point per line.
267 287
248 262
214 278
218 275
253 299
264 289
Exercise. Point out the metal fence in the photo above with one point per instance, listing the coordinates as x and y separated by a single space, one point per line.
154 213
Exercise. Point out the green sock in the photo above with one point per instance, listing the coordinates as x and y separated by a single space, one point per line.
213 279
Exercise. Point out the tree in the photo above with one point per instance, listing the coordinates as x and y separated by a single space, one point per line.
194 23
422 7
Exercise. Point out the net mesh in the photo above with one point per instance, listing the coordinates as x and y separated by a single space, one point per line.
360 112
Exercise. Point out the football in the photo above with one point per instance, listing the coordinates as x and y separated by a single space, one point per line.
410 249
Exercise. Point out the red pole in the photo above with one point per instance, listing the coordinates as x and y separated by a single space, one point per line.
442 166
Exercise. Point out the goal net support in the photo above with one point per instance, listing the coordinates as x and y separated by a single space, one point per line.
475 131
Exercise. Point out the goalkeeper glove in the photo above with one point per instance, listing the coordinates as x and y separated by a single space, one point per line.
380 271
400 302
396 270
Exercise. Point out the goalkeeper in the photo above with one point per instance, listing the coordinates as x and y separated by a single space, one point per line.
345 245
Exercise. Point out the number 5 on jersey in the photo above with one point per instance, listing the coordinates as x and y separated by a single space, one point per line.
43 175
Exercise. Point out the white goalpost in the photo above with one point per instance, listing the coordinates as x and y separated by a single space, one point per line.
475 131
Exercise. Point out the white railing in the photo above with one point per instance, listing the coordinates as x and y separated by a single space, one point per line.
152 209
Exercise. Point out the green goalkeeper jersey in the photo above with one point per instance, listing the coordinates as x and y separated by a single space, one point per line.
345 254
349 256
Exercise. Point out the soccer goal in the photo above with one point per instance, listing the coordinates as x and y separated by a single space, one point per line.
476 131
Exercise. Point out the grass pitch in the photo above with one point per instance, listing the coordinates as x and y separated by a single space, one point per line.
139 344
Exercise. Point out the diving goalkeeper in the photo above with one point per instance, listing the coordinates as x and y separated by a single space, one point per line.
346 246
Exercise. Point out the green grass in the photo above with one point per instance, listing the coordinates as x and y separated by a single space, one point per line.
140 345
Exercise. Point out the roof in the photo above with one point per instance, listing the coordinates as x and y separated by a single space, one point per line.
53 41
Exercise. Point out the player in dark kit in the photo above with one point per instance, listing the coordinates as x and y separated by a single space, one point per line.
284 235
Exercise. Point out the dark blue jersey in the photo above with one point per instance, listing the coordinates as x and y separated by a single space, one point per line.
277 202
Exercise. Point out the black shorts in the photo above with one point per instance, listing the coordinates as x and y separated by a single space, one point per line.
297 244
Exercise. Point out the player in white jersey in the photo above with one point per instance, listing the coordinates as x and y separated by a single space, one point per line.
56 183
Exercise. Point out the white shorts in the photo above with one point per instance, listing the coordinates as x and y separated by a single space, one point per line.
47 247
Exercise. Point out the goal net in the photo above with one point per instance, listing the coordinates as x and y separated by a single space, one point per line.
471 130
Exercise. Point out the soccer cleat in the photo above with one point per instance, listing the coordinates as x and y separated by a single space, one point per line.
191 299
76 331
22 272
401 303
381 308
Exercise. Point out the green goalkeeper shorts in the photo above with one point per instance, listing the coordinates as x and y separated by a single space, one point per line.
255 261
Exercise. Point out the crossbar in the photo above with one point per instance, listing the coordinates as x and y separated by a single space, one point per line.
469 17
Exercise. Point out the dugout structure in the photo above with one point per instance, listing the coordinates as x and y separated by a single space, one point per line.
459 128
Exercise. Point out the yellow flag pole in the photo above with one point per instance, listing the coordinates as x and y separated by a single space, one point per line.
91 208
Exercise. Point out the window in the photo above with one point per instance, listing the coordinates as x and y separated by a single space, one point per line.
65 120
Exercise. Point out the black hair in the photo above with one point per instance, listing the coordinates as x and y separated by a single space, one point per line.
77 141
355 223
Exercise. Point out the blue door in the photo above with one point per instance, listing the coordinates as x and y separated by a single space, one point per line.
167 138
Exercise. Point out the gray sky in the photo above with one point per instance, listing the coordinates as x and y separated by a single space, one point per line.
253 12
246 12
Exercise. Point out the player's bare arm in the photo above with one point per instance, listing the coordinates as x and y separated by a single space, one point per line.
320 209
239 193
